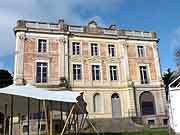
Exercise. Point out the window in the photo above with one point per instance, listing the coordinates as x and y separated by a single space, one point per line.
94 49
97 102
76 71
95 72
42 45
141 51
113 72
151 122
165 121
41 72
111 50
76 48
143 74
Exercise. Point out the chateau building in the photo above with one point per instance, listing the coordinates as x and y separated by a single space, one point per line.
117 69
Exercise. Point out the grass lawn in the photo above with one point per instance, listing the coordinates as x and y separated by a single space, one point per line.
145 132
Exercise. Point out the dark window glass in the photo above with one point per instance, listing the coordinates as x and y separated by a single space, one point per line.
95 72
41 72
42 45
151 122
76 71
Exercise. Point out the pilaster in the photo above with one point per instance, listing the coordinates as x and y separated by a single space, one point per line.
19 58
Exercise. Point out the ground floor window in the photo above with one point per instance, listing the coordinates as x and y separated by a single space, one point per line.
97 102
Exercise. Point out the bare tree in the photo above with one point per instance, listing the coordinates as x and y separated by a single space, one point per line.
177 55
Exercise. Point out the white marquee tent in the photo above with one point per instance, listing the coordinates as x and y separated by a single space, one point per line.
23 99
174 108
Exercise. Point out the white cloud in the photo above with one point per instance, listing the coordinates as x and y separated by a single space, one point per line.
44 10
175 43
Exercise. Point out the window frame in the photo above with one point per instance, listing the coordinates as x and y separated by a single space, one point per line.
48 71
98 49
76 72
37 45
147 74
100 77
113 72
139 51
80 48
110 51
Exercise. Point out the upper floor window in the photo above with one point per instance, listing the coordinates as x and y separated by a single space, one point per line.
76 71
143 74
42 45
41 72
95 72
76 48
111 50
113 72
94 49
140 51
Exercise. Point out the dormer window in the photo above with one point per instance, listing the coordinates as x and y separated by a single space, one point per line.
42 45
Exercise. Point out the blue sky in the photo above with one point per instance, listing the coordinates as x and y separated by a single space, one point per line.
161 16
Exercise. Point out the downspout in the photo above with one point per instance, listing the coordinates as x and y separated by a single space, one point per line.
68 51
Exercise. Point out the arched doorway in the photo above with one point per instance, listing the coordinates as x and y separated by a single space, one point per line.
116 106
147 103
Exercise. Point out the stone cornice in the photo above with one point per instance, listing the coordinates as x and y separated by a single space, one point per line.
89 31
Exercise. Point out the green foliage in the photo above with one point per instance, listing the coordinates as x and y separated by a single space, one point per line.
167 78
5 78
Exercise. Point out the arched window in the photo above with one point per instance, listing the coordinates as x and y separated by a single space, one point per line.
97 102
147 103
116 106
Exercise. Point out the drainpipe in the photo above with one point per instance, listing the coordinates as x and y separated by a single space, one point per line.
68 56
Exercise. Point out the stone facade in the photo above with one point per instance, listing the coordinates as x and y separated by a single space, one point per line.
60 59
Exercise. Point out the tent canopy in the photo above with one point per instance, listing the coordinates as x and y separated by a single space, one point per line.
22 92
40 94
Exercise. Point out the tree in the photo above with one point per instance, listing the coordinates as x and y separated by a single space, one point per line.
168 77
5 78
177 55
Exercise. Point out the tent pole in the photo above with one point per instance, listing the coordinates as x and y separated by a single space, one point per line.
45 111
61 117
28 101
5 116
19 123
67 119
39 116
12 111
